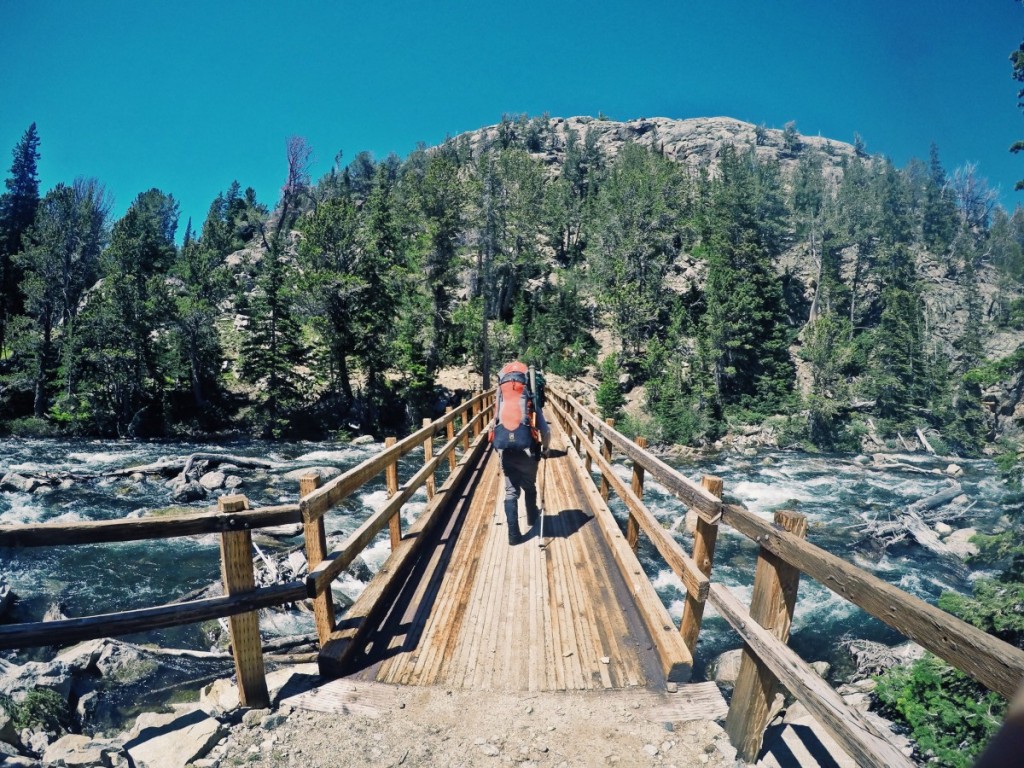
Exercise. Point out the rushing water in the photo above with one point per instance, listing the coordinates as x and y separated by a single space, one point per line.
834 493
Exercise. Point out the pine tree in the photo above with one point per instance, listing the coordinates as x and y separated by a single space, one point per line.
17 212
59 262
635 239
742 337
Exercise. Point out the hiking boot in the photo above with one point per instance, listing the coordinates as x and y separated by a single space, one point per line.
514 537
531 516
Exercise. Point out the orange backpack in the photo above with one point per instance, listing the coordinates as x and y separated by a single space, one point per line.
516 418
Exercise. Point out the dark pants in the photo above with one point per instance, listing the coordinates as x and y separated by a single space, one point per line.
520 470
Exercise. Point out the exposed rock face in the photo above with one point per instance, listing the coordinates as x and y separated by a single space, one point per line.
173 740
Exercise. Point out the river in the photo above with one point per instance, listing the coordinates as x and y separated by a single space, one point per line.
833 491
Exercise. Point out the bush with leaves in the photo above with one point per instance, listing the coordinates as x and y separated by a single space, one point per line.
950 717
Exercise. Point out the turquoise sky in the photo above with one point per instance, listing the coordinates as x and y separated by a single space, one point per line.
188 96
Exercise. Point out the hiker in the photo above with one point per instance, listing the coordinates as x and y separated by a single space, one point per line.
521 436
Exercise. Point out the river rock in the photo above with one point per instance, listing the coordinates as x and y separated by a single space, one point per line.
726 668
324 473
212 481
76 750
12 481
959 543
17 680
83 656
943 529
8 733
183 490
125 663
173 740
363 440
231 482
954 470
219 697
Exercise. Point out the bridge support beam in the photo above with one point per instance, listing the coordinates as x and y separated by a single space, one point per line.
704 538
315 536
772 605
238 577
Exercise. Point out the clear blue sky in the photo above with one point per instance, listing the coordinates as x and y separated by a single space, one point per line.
188 96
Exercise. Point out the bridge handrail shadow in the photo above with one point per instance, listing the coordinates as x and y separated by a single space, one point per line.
784 553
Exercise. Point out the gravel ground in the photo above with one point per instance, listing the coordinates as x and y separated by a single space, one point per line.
436 727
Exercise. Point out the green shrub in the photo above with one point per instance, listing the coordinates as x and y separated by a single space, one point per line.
949 716
42 709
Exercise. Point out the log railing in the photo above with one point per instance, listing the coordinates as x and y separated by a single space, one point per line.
784 554
234 521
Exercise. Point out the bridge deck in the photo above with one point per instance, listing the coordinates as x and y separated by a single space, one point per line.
477 613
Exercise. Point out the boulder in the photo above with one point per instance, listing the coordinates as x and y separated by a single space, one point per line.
219 697
83 656
17 680
954 470
8 733
960 544
231 482
726 668
125 663
12 481
213 481
943 529
183 490
173 740
822 668
75 750
325 473
363 440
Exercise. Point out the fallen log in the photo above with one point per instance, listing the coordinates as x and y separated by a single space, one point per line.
937 500
182 465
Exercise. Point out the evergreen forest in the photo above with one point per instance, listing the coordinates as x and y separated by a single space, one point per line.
793 284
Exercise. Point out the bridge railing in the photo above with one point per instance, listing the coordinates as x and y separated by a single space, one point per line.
784 553
234 521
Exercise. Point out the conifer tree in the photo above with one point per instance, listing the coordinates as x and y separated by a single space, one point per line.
272 349
17 212
60 261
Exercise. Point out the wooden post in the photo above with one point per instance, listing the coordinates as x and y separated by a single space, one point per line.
587 461
772 604
637 485
575 437
316 551
452 458
476 410
428 454
606 451
238 577
391 478
704 539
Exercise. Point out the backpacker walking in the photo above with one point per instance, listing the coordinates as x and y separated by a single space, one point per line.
520 434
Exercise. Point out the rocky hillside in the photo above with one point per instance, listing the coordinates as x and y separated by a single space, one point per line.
697 143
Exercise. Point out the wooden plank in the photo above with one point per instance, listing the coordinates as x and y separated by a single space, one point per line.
140 529
691 494
846 725
66 631
693 701
237 575
997 665
335 654
771 606
693 578
676 660
704 538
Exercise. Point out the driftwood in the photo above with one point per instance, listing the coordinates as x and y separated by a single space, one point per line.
925 443
917 521
183 465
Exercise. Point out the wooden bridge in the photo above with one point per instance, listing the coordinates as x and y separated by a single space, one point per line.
456 606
